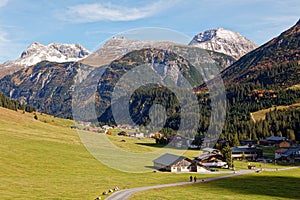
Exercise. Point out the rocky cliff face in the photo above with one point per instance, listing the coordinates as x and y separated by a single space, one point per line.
46 86
166 70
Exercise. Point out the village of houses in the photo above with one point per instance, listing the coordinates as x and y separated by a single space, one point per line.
274 149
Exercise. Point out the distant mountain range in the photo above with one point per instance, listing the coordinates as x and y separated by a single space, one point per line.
220 40
48 85
44 74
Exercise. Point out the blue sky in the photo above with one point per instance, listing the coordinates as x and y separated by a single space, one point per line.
89 22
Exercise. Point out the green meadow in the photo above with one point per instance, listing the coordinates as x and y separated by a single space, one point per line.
45 159
280 185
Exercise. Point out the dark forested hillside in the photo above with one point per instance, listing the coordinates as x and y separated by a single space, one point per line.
275 63
6 102
244 99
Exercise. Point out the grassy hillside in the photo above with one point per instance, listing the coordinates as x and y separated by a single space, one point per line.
264 186
261 114
44 159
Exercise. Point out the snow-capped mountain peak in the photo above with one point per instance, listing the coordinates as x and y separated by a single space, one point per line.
224 41
53 52
37 52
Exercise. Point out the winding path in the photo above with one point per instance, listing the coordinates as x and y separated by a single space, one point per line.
125 194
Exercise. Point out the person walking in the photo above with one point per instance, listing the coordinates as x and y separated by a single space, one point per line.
191 178
195 179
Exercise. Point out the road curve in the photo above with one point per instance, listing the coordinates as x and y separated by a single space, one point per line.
125 194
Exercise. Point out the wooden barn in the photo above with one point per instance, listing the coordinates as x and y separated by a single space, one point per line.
211 158
173 163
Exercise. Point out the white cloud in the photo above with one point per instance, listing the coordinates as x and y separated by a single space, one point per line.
3 3
4 45
3 38
281 20
109 12
9 49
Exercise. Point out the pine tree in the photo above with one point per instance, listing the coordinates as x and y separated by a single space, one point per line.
235 141
243 156
226 151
